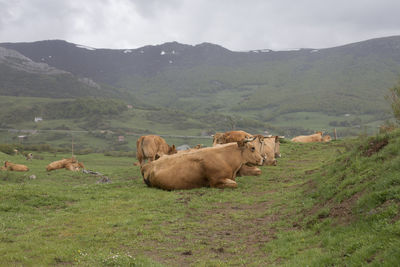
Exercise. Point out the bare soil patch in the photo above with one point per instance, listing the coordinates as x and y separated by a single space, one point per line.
375 146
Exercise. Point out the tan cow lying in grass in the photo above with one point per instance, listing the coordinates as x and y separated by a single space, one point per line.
206 167
15 167
317 137
149 147
70 164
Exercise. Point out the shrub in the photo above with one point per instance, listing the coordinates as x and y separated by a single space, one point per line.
394 99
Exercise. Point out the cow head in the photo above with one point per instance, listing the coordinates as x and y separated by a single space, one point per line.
250 153
326 138
268 146
218 138
269 150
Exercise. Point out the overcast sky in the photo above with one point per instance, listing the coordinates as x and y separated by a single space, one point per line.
235 24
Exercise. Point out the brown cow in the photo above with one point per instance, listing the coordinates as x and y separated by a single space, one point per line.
60 164
207 167
15 167
151 147
230 137
317 137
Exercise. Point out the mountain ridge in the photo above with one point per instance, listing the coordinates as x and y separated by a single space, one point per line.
259 84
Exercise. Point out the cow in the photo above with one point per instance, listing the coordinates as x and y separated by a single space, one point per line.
229 137
207 167
15 167
150 147
317 137
60 164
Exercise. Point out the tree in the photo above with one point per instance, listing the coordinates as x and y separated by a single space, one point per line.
394 99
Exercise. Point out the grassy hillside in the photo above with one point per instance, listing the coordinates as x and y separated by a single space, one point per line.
324 204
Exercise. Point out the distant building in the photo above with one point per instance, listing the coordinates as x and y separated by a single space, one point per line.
129 106
38 119
121 138
21 138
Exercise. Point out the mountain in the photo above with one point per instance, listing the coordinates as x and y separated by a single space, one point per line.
264 85
21 76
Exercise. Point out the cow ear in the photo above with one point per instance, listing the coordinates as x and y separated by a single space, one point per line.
276 139
241 143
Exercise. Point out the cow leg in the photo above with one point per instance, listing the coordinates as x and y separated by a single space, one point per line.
224 183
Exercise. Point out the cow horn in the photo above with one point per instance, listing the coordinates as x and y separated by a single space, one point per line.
249 139
270 135
281 136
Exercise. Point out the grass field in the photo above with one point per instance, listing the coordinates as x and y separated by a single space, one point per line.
324 204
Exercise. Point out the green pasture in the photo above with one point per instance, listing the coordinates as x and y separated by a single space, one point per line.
324 204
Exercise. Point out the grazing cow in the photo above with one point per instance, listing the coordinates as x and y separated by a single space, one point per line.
15 167
207 167
317 137
151 147
230 137
60 164
326 138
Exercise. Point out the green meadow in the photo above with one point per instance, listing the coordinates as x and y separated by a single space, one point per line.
324 204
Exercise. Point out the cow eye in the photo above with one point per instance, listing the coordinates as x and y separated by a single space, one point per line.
253 149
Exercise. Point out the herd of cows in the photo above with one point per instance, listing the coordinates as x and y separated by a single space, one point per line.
234 153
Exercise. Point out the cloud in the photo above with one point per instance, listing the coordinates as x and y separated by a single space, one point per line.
236 25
